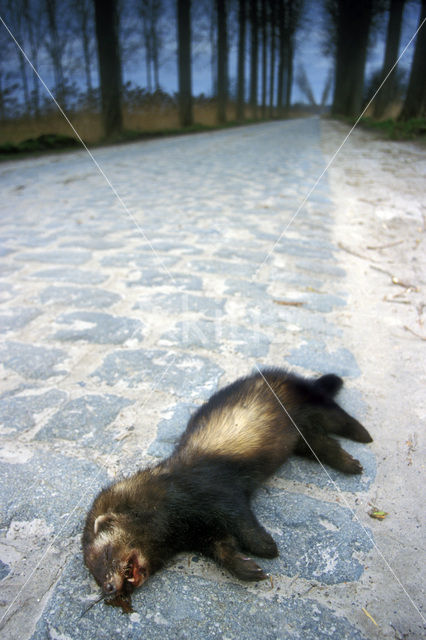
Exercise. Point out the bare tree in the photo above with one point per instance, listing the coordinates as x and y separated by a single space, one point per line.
14 15
32 15
83 10
241 60
222 61
272 22
150 12
326 90
184 62
55 46
254 56
304 85
385 94
106 20
350 26
415 100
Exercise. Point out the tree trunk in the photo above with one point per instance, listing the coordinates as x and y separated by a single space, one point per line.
222 61
55 52
289 72
106 20
281 63
272 58
241 61
253 58
415 100
264 57
353 25
32 24
391 54
84 19
184 62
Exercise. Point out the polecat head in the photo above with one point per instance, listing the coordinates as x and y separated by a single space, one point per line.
115 562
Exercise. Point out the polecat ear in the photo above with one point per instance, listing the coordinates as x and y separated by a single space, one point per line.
105 520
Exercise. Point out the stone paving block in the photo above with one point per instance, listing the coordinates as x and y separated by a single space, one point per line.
177 605
156 278
141 260
317 540
77 276
85 420
237 269
185 375
50 486
17 318
18 412
103 329
171 245
96 243
32 361
311 472
314 356
79 297
4 570
247 288
180 303
170 429
217 336
57 257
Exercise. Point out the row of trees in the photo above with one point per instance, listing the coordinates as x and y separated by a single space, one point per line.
72 34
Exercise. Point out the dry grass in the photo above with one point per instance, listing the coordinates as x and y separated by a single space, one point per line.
89 125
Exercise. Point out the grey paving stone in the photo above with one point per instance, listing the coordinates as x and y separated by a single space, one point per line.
4 570
314 356
142 260
237 269
317 540
233 252
94 242
300 321
176 605
106 329
79 297
217 336
306 248
85 420
17 318
186 375
31 361
169 430
77 276
18 412
311 472
50 486
180 303
57 257
156 278
247 288
171 245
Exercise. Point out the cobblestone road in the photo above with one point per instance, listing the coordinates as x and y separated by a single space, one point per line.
116 324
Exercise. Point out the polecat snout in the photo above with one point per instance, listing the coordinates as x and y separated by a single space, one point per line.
198 499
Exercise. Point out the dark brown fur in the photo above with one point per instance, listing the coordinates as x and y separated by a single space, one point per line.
198 499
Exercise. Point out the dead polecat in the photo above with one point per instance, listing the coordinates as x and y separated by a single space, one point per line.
198 499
